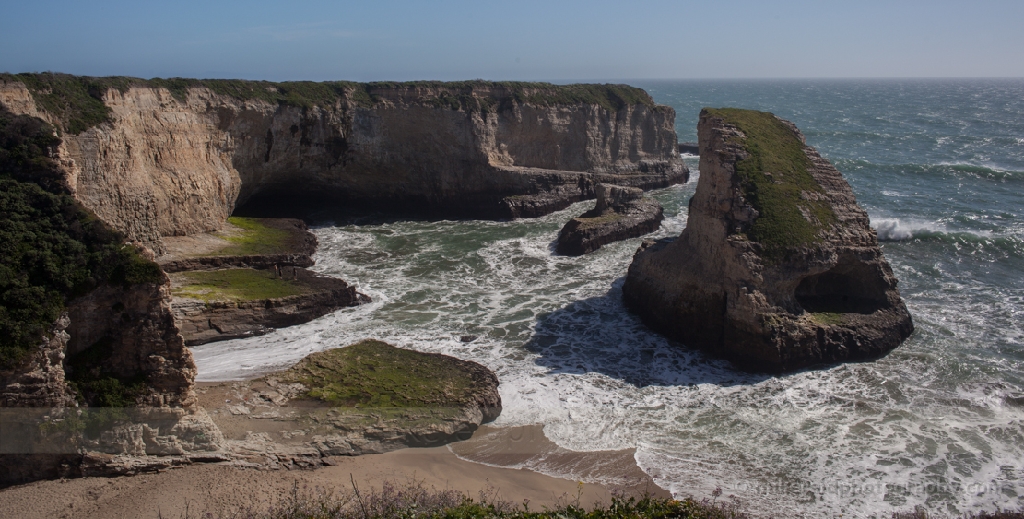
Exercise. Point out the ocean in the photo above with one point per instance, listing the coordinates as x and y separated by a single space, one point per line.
937 424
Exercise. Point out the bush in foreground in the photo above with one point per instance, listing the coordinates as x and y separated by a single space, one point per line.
416 500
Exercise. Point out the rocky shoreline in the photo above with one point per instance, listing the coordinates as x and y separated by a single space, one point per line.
202 322
220 296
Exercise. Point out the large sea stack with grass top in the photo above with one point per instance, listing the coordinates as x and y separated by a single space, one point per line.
778 267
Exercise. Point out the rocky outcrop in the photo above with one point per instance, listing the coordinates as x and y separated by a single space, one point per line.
201 322
621 213
778 267
248 261
113 333
129 333
366 398
220 250
170 166
689 147
39 381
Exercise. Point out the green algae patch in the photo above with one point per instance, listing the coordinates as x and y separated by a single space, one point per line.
256 238
828 318
775 177
234 285
373 373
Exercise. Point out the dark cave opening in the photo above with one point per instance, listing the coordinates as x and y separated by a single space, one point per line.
849 287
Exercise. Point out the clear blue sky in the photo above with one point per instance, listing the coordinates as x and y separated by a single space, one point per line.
529 40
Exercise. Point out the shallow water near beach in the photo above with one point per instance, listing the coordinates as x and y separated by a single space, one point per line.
939 423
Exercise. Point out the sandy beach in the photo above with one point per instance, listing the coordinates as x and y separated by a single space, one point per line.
223 488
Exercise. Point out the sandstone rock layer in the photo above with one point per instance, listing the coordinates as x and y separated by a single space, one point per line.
778 268
172 164
621 213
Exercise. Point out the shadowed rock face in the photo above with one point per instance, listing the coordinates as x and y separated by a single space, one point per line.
745 283
621 213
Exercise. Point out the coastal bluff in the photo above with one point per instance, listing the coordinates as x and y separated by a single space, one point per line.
778 268
176 157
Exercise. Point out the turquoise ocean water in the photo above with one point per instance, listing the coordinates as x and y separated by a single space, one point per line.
939 423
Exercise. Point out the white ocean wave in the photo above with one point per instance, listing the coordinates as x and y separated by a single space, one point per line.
896 229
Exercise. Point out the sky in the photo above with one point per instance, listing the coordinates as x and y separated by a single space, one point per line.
514 40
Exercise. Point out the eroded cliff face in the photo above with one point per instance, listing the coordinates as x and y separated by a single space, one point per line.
40 380
130 333
766 299
170 166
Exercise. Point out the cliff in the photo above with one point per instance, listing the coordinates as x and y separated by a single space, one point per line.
778 267
90 357
177 157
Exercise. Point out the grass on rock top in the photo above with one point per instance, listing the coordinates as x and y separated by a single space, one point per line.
373 373
234 285
77 101
255 238
775 175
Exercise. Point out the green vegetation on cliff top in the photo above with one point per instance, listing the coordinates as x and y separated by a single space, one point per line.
373 373
775 176
77 100
234 285
51 248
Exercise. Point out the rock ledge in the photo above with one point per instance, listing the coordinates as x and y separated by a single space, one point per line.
621 213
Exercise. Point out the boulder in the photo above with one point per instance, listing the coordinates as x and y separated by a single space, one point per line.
778 268
621 213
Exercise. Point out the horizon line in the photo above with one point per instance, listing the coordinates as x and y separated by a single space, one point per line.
564 80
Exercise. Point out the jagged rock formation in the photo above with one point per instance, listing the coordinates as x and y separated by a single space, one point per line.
128 333
178 163
39 381
778 267
201 321
111 375
620 213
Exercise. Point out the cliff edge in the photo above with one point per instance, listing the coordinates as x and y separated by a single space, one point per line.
778 268
156 158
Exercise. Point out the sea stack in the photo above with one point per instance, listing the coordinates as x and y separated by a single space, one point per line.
778 268
621 213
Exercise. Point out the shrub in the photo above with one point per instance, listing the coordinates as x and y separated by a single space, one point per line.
51 248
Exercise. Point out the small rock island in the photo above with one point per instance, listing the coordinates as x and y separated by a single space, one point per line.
620 213
778 268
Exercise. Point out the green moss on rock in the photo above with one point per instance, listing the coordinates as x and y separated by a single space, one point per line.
256 238
775 177
234 285
373 373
